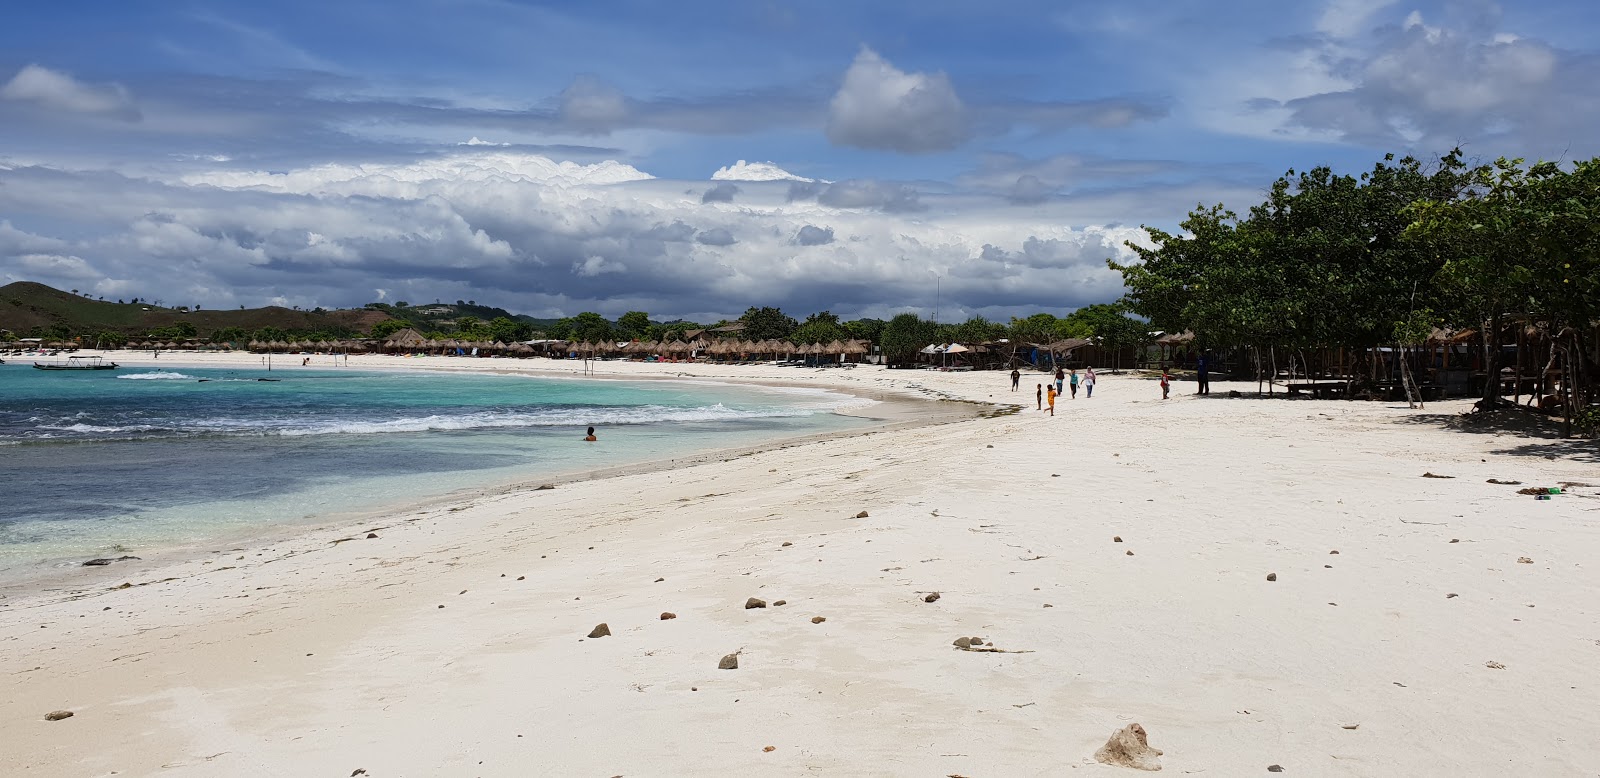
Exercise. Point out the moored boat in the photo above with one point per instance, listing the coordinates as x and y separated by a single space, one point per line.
77 363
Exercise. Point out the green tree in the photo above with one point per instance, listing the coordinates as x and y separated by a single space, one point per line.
230 335
383 329
589 327
904 336
977 330
820 327
767 323
634 324
866 329
507 330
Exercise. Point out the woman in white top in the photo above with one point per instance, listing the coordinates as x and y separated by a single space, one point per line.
1088 382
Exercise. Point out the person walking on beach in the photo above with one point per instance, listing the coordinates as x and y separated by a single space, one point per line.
1202 376
1088 382
1038 396
590 438
1050 395
1166 383
1016 378
1061 377
1074 378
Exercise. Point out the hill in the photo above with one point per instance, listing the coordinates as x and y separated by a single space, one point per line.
29 309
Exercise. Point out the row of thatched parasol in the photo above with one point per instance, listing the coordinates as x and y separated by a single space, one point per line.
729 347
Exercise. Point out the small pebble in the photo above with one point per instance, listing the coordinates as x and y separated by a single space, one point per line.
770 749
1272 576
1335 551
57 715
1116 538
371 535
668 616
861 515
779 603
818 619
934 597
600 631
1272 768
786 544
754 603
1130 552
729 662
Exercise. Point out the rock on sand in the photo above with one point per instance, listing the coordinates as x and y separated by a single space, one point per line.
1129 747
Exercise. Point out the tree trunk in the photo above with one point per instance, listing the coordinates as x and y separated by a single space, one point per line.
1491 363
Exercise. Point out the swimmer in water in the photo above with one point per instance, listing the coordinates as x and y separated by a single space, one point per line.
590 437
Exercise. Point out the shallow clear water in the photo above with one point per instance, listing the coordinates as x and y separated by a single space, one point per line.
97 462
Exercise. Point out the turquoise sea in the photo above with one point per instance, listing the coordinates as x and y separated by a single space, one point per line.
111 462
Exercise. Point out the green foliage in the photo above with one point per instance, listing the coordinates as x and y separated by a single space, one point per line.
1110 323
1039 328
767 323
866 329
976 330
230 335
383 329
821 327
180 331
588 327
108 339
904 336
633 325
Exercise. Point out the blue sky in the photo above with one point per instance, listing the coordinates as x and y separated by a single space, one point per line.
313 153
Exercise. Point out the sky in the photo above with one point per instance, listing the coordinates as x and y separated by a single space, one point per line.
692 159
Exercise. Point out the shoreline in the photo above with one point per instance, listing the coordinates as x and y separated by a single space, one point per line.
1118 553
902 412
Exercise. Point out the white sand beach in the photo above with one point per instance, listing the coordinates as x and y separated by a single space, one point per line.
1403 633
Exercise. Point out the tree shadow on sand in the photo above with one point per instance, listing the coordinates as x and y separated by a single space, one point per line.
1543 434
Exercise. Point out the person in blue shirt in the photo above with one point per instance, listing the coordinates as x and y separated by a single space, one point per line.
1202 374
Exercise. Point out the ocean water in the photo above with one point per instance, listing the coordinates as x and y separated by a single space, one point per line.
111 462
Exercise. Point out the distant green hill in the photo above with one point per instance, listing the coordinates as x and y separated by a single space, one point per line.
28 309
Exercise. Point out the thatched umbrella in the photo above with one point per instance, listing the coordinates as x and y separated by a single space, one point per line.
856 347
676 347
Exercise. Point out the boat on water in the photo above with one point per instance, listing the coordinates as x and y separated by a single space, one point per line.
77 363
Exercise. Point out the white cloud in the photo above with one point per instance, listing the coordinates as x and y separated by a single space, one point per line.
551 239
61 92
882 107
1345 18
755 171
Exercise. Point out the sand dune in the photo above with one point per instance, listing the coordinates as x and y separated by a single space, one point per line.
455 641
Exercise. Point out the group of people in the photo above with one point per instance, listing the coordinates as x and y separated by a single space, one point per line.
1065 381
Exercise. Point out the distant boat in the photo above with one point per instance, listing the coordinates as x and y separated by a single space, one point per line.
77 363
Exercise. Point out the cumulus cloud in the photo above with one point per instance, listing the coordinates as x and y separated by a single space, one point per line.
805 190
882 107
894 198
1413 83
540 237
811 235
754 171
1029 189
721 193
716 236
60 91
